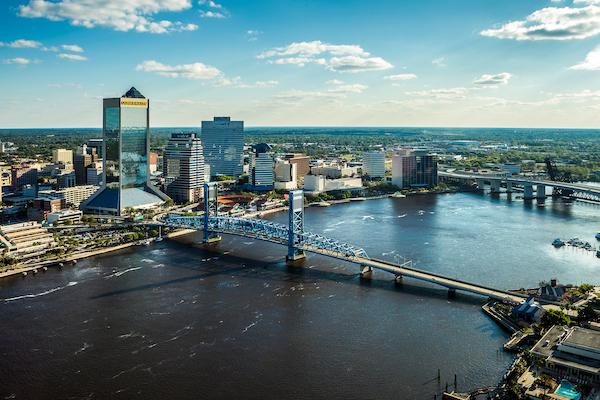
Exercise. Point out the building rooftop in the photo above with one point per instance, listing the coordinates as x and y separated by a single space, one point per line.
580 337
133 93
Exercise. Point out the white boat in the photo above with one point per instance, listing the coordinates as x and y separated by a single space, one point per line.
323 204
159 239
398 195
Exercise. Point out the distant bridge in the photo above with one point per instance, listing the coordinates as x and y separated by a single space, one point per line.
298 241
573 190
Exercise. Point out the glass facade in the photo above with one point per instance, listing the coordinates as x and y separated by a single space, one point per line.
111 139
134 156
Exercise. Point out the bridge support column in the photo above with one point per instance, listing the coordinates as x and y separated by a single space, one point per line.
210 211
366 272
295 225
398 281
495 185
480 184
527 191
509 187
541 192
451 292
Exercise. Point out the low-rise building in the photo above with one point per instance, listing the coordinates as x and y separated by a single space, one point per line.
529 311
73 196
25 240
314 184
570 353
65 217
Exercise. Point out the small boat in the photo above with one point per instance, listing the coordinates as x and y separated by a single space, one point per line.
323 204
398 195
558 243
159 239
597 236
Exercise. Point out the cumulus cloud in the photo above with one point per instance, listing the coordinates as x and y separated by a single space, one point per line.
18 61
194 71
399 78
443 94
339 58
212 9
553 23
591 62
493 80
22 44
120 15
72 57
73 48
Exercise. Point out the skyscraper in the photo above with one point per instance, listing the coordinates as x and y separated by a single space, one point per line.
262 167
223 142
126 144
374 164
414 169
183 168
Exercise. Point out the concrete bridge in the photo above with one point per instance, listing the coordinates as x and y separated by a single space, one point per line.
528 186
299 242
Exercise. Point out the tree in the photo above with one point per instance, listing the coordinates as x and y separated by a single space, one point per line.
586 288
554 317
588 314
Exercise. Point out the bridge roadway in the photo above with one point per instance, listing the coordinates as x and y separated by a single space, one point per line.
594 190
317 244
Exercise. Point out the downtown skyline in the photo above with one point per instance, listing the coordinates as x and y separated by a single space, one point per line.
289 63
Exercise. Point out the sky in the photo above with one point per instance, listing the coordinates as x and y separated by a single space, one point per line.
459 63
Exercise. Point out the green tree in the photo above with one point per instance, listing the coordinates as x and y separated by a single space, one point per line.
588 314
554 317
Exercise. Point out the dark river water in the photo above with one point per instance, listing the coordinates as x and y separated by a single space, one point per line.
175 320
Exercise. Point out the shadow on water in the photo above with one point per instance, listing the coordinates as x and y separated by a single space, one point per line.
279 271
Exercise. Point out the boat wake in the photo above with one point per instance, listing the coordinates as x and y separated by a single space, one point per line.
30 296
117 274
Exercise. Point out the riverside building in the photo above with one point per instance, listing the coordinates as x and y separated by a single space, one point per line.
126 145
223 141
183 168
374 164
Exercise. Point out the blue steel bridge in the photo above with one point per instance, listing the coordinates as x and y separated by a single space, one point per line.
299 242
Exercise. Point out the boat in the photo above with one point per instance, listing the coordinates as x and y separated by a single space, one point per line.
558 243
323 204
398 195
159 239
598 253
597 236
146 243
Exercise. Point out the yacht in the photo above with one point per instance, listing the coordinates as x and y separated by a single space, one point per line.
398 195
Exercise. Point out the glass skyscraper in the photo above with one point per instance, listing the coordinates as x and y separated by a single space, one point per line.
126 146
183 168
223 141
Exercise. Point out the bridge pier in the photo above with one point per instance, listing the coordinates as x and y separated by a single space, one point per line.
528 191
480 184
509 187
541 192
398 280
451 293
211 208
366 273
495 186
295 225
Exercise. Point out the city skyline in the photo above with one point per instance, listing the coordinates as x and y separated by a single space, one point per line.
515 64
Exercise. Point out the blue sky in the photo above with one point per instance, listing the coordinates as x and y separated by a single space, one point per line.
513 63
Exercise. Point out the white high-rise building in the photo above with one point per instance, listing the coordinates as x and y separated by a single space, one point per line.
263 165
223 141
63 156
374 164
183 168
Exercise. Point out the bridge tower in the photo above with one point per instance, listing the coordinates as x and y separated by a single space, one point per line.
210 210
295 225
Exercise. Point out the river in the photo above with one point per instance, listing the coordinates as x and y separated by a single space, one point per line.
175 320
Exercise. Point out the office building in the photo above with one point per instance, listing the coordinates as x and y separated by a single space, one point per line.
126 173
84 157
62 156
25 240
223 142
72 196
302 163
153 162
315 184
22 176
374 164
66 179
286 175
262 167
94 174
96 144
183 168
412 169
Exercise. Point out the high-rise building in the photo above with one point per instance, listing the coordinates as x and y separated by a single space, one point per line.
223 142
62 156
72 196
183 168
302 162
414 169
126 144
374 164
286 175
96 144
84 157
262 167
94 174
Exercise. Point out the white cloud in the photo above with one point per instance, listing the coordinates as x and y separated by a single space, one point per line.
72 57
195 71
352 88
252 35
400 77
212 14
339 58
22 44
591 62
73 48
553 23
493 80
18 61
212 10
439 62
120 15
445 94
